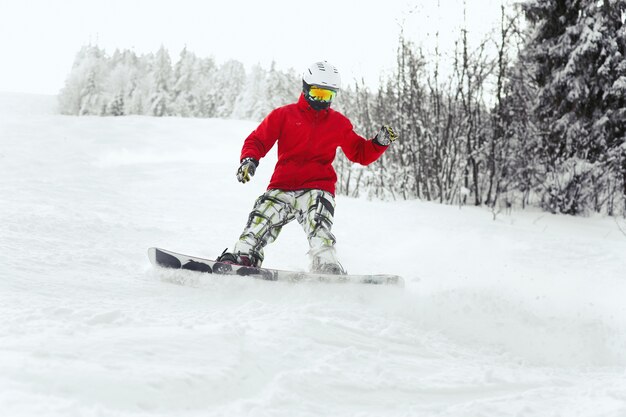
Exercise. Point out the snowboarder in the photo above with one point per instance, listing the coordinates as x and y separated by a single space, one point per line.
302 187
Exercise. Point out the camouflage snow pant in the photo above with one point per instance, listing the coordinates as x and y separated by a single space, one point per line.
314 210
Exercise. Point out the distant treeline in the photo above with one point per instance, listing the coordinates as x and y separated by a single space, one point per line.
534 115
126 83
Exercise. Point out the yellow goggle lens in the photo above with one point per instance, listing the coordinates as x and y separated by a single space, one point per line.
322 94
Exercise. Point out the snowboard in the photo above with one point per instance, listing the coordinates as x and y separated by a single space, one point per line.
169 259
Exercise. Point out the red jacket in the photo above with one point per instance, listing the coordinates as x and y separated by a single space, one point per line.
307 144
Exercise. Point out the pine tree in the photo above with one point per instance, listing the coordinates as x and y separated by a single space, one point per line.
186 77
205 88
118 83
83 91
278 89
578 51
250 104
229 84
160 97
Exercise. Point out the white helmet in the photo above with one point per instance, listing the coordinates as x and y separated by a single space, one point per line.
322 74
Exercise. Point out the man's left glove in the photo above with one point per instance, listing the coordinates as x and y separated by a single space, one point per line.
385 136
247 169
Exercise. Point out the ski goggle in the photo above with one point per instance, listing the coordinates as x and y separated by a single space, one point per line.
321 94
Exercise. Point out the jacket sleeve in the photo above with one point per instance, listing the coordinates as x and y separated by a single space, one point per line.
261 140
358 149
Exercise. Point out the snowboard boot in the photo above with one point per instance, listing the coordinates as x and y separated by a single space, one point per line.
231 258
332 269
327 268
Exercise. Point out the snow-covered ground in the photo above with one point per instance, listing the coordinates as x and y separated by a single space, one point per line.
521 316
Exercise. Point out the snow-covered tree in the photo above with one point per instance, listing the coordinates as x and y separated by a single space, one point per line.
161 88
206 92
252 97
83 93
119 82
230 80
187 72
279 88
578 50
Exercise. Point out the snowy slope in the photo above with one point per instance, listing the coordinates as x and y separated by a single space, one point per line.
521 316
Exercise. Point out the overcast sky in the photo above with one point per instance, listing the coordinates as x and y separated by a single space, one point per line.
39 38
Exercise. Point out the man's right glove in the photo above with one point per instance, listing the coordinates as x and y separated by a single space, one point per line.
385 136
247 169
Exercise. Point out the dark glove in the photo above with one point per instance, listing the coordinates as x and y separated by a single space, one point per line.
247 169
385 136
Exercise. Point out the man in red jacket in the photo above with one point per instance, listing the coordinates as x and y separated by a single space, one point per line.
303 184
